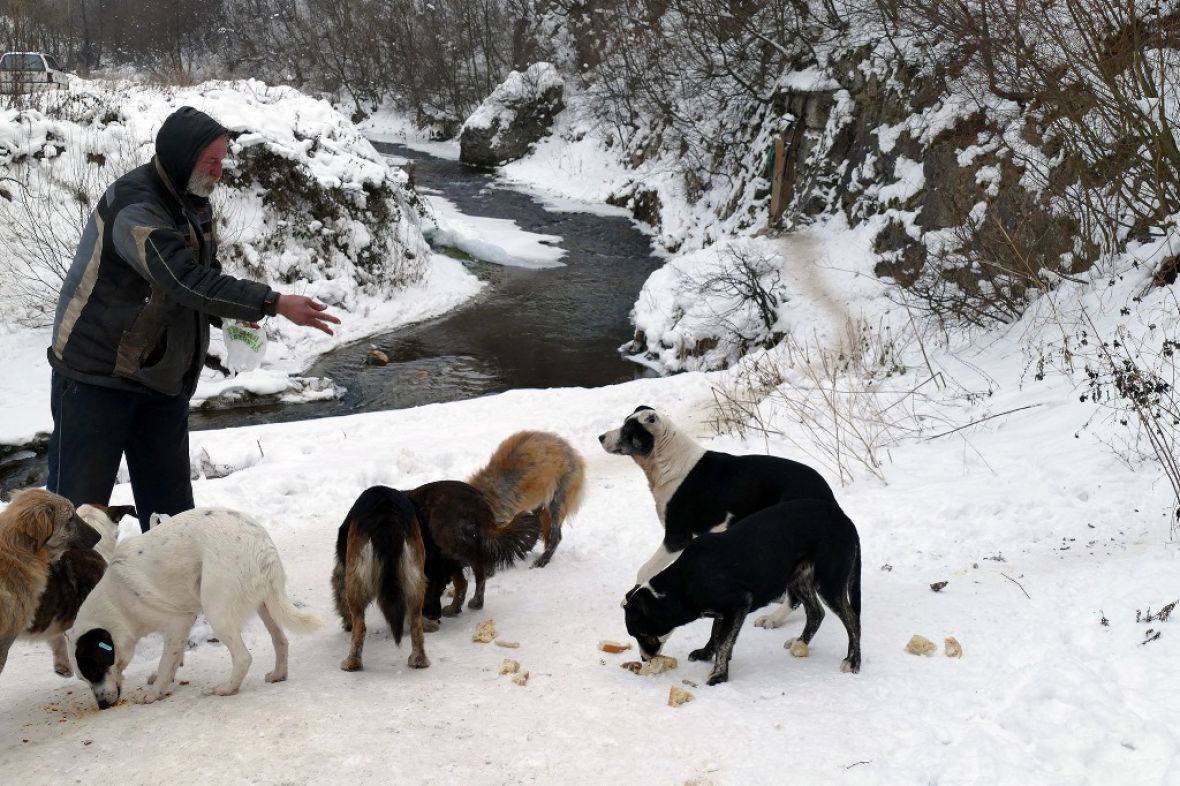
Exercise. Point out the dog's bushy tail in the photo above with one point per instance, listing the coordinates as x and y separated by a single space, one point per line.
386 518
502 546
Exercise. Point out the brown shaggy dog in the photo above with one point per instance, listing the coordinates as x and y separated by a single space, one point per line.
36 528
534 471
70 580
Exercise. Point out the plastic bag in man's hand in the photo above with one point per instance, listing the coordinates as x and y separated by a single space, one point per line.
244 346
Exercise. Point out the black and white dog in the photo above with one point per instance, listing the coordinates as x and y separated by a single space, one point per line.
698 491
804 546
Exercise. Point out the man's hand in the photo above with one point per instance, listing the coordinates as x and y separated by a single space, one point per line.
305 311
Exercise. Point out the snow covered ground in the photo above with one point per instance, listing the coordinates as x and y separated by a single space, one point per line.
1050 545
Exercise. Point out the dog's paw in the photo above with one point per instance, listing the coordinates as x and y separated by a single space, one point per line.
153 696
717 677
704 653
351 664
278 675
419 661
798 648
475 603
429 625
63 670
452 611
225 689
541 561
848 667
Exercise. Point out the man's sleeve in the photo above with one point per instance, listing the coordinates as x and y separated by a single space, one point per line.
146 239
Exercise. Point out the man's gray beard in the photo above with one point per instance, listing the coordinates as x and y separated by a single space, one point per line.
201 184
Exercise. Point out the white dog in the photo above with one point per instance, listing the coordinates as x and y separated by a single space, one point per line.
211 561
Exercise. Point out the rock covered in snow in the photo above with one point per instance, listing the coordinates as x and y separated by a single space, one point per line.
518 113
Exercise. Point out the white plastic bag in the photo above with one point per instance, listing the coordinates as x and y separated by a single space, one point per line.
244 346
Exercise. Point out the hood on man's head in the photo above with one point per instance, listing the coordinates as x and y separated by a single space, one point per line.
179 142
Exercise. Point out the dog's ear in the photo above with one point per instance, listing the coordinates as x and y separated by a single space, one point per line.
116 512
641 408
36 519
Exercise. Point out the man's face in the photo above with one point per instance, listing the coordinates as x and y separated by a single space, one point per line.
207 172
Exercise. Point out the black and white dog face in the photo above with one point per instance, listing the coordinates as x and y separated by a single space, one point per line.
649 621
95 661
638 434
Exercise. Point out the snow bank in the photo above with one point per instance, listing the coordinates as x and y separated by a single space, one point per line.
497 240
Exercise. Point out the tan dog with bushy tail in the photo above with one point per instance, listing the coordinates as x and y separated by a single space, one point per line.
534 471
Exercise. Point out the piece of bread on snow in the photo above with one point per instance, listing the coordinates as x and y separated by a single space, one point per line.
485 632
920 645
657 665
678 696
953 648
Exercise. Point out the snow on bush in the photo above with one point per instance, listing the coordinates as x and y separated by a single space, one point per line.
306 205
705 309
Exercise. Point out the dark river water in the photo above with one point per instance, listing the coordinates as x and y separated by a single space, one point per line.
553 327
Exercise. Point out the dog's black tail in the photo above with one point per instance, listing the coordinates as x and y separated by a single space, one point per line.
386 518
854 583
502 546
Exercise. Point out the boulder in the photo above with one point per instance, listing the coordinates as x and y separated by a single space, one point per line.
518 114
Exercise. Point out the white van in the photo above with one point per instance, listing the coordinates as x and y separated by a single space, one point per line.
23 71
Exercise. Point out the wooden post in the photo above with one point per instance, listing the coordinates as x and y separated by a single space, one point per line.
776 192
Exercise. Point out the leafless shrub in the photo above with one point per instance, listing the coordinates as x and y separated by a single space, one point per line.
845 408
42 219
747 288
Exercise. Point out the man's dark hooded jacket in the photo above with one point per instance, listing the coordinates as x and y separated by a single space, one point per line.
136 304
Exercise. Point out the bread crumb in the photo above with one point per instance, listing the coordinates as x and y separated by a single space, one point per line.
920 645
798 648
511 645
522 678
678 696
485 632
613 646
953 648
509 666
657 665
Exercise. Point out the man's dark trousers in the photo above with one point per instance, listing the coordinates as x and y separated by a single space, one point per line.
94 426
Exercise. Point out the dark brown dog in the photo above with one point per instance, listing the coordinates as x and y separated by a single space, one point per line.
461 531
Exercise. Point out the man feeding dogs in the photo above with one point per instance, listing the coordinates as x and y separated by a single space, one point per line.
131 329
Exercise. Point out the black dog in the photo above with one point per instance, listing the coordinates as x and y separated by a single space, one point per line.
805 545
698 491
